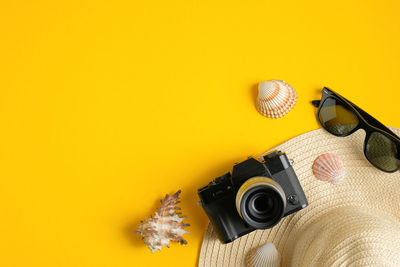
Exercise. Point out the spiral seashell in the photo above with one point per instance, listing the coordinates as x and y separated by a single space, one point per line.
329 167
275 98
265 256
164 226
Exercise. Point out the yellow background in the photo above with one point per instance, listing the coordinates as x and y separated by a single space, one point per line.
106 106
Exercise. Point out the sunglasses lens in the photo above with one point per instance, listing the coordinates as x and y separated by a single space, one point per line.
383 152
336 117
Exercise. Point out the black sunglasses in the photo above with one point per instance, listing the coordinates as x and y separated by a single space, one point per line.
341 117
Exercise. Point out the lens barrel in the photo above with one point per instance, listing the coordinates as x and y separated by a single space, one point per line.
261 202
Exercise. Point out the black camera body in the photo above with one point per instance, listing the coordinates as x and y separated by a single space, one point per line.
258 193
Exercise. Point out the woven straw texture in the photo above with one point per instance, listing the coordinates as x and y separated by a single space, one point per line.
354 223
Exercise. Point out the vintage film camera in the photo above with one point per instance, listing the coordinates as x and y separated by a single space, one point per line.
257 195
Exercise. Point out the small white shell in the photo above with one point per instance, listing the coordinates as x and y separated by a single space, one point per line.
329 167
265 256
275 98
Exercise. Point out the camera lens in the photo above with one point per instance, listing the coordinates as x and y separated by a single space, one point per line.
261 202
263 205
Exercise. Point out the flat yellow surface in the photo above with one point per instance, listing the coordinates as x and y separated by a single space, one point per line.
106 106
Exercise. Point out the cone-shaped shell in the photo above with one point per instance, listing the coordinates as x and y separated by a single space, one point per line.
329 167
275 98
164 226
264 256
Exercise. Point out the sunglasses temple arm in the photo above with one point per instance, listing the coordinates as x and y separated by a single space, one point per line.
315 103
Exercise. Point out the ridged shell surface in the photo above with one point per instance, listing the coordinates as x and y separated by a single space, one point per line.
265 256
165 226
329 167
275 98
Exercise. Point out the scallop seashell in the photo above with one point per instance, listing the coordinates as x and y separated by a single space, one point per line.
329 167
165 226
275 98
265 256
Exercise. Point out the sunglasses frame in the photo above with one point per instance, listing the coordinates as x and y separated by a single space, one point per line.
365 121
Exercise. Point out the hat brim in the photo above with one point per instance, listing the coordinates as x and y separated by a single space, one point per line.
364 187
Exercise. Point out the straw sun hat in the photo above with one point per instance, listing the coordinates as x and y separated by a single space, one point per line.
353 223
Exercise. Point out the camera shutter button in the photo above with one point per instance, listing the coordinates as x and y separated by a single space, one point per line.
292 199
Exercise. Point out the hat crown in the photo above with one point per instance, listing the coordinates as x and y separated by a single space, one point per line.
346 236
